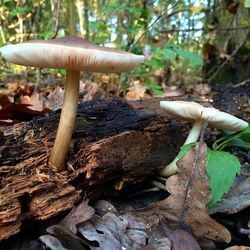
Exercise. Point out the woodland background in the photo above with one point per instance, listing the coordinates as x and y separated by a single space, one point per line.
188 42
196 50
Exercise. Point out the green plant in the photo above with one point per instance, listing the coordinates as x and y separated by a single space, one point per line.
173 54
222 167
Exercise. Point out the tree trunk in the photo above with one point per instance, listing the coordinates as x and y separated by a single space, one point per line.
229 60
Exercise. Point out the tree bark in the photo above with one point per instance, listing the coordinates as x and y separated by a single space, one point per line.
115 144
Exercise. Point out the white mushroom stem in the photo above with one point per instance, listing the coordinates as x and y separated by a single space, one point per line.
195 131
193 136
67 120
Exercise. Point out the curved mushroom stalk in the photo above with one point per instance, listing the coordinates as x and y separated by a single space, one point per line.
67 120
193 136
199 114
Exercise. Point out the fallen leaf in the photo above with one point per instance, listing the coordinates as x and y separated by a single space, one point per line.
62 239
137 91
113 232
20 112
183 240
102 207
34 101
11 113
78 214
4 100
55 99
158 239
190 192
52 242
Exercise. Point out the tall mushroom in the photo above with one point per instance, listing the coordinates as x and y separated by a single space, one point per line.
197 114
73 54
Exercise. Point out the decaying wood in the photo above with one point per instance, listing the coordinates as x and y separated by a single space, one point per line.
114 144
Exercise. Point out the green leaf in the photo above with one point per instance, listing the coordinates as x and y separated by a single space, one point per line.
109 10
222 168
166 53
155 88
184 149
133 30
156 63
192 58
228 140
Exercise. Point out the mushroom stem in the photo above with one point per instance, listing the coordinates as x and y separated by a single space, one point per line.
194 133
193 136
67 120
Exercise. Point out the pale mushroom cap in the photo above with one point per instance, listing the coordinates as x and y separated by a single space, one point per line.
71 53
193 111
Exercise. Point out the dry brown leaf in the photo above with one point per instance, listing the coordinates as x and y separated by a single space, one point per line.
158 237
113 232
102 207
183 240
78 214
63 239
138 91
190 193
4 100
34 101
55 98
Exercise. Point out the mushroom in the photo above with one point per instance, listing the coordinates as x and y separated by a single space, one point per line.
198 114
73 54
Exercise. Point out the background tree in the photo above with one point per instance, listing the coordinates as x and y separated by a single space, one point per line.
190 42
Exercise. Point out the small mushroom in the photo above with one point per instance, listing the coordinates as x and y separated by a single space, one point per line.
73 54
198 115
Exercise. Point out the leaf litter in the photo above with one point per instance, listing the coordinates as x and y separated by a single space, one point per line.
178 222
186 205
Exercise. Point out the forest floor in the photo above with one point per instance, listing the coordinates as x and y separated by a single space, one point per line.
154 213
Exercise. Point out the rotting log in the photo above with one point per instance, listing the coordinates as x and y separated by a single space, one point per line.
114 144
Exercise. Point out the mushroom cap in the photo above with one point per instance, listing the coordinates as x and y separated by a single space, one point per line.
70 52
192 111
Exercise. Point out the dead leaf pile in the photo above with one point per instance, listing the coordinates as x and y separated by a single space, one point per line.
107 230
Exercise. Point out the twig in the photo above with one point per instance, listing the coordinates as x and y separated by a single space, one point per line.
242 83
232 55
203 29
56 18
155 21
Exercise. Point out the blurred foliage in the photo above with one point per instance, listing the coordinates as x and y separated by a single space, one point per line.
173 31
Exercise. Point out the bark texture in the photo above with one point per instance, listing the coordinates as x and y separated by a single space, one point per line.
115 144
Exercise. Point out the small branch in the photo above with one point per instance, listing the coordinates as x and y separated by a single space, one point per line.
56 19
232 55
155 21
203 29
